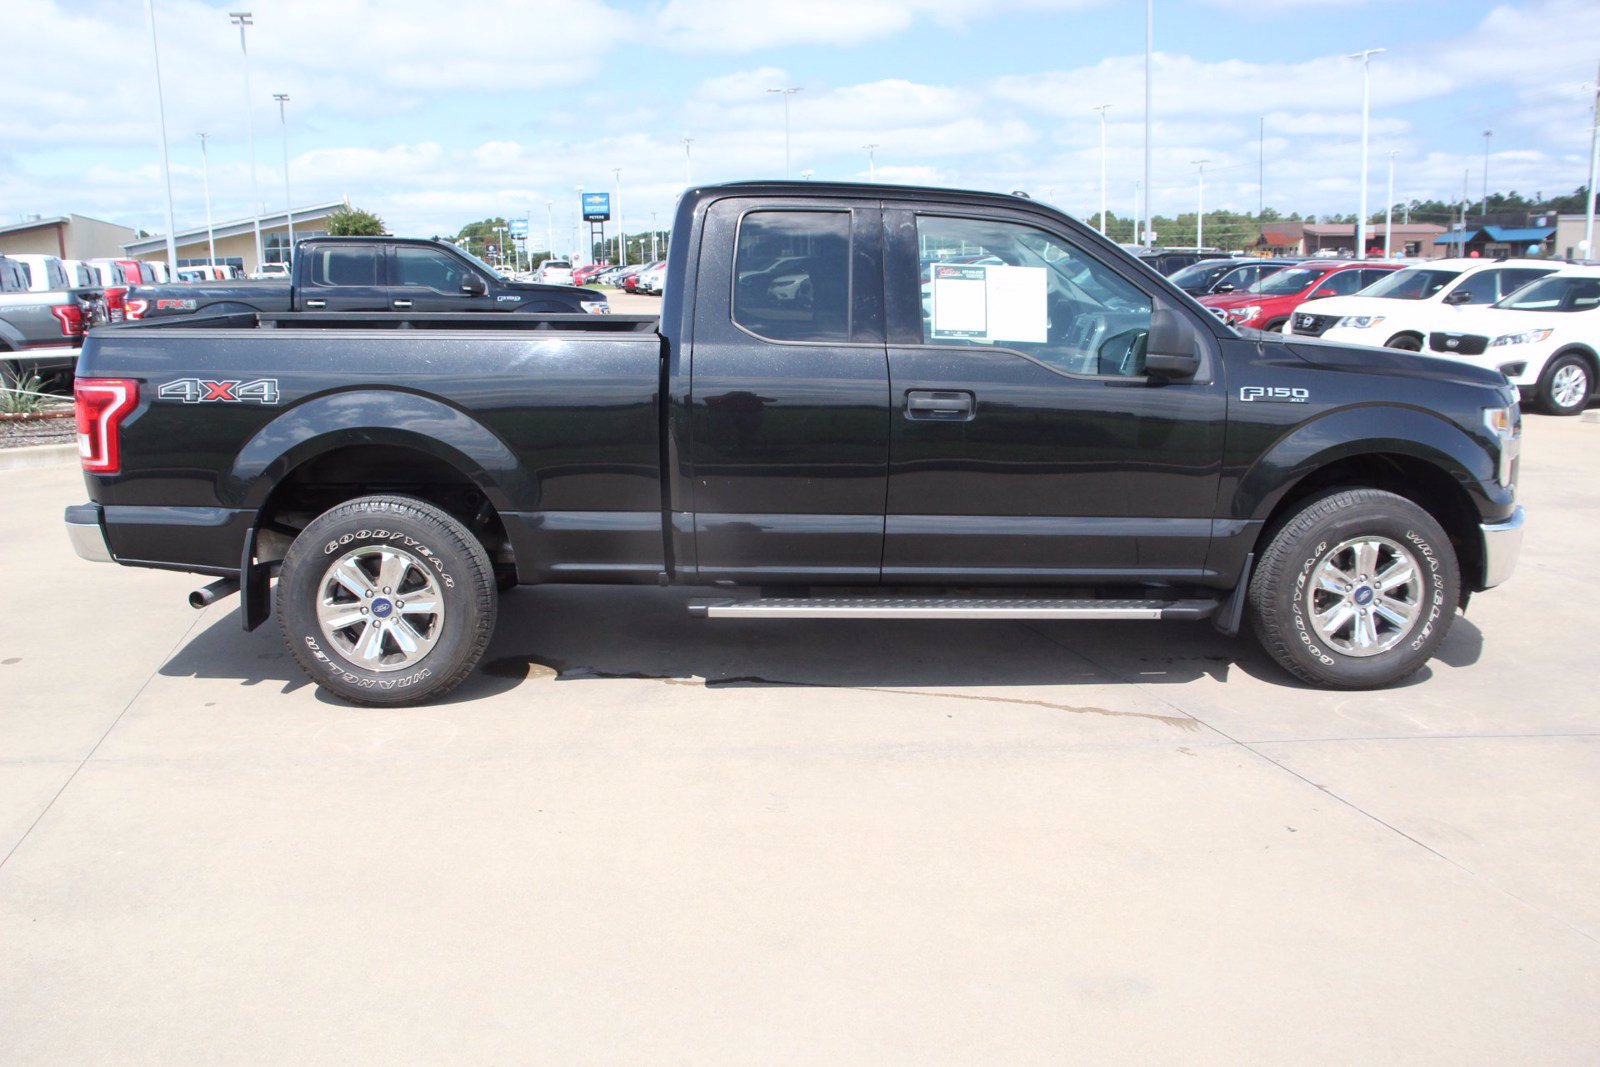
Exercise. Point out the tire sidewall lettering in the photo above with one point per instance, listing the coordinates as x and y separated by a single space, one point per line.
403 540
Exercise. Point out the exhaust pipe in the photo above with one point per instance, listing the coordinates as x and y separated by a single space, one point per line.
204 598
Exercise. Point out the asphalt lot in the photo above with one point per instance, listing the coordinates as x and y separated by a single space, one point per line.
636 837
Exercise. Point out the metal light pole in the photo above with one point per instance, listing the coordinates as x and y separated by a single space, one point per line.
1594 167
1200 205
1366 112
549 229
205 169
288 201
1133 234
166 169
1149 40
872 162
1261 171
652 237
786 94
622 231
1487 134
577 227
1388 213
243 19
688 162
1102 109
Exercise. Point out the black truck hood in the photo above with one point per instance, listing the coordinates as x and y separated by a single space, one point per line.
566 290
1387 362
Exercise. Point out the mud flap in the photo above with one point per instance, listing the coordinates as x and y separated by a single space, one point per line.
255 585
1228 620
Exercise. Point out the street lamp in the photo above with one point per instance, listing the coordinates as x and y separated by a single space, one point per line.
1365 55
166 169
622 231
1594 165
806 174
688 163
1487 134
872 163
243 19
1102 109
1200 206
786 94
1388 213
288 201
1149 41
652 236
577 227
549 231
205 169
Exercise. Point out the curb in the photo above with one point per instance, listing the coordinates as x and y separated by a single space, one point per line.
32 457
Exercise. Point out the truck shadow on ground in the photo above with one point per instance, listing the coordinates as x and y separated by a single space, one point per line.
572 633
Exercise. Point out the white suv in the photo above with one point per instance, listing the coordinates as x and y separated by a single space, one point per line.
1401 310
1545 338
555 272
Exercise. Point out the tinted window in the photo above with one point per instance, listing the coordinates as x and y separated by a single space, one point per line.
1512 280
1556 294
1483 286
345 266
1286 282
791 273
27 273
426 268
1011 286
1341 283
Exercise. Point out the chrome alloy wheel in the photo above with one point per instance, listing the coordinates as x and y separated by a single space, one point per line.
1570 386
380 608
1365 596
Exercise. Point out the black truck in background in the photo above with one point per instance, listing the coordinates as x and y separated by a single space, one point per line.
859 402
378 274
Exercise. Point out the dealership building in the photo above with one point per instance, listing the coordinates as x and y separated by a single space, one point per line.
236 241
66 236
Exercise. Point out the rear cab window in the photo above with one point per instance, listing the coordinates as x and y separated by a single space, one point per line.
791 275
345 265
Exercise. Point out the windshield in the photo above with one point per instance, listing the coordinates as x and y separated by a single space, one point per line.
1555 294
484 268
1417 283
1202 275
1287 281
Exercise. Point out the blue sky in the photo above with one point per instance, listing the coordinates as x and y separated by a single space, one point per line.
435 115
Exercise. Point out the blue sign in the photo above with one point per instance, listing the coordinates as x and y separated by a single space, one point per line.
596 207
519 227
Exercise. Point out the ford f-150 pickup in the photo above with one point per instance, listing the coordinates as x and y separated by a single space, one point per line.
42 321
392 274
860 401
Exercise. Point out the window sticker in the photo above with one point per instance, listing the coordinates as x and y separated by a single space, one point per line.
991 303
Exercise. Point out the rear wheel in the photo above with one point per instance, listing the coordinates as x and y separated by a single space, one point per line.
1356 590
387 600
1565 385
1405 342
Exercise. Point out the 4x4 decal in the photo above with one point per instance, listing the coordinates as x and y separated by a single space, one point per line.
200 391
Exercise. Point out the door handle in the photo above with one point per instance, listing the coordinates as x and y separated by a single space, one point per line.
946 405
316 303
402 303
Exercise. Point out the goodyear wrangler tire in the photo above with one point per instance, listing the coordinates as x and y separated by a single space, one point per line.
386 600
1356 590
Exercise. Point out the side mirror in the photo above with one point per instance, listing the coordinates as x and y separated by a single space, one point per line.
1225 287
474 285
1172 348
1460 296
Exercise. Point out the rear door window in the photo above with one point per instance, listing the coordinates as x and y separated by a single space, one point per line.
427 268
1339 283
349 265
791 275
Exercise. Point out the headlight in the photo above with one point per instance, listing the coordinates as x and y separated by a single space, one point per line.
1360 322
1506 425
1244 314
1526 337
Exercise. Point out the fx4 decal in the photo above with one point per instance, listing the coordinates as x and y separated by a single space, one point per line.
199 391
1276 394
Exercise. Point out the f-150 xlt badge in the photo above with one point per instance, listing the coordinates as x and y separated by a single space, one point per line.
1278 394
199 391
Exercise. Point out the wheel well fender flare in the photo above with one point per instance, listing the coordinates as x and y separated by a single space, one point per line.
1579 349
326 423
1350 434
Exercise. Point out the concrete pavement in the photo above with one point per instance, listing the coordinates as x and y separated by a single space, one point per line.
637 837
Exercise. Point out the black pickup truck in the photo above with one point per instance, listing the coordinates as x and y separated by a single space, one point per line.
860 401
390 274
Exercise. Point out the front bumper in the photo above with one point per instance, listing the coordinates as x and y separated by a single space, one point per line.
86 530
1502 544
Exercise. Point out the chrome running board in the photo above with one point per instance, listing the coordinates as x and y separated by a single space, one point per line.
931 607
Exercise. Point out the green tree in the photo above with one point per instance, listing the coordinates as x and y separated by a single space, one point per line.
353 222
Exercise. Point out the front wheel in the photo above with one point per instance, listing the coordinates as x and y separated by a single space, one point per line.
386 600
1356 590
1565 385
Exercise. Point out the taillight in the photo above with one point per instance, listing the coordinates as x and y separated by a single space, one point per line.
136 307
70 316
101 404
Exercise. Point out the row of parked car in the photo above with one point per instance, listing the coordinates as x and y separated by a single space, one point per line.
648 278
1536 321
